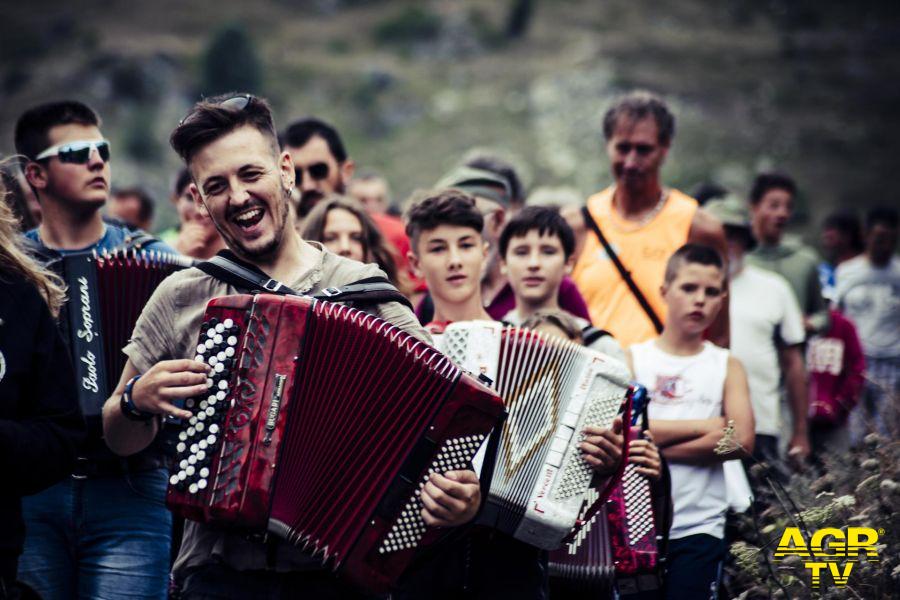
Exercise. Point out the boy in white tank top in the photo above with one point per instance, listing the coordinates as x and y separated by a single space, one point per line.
700 416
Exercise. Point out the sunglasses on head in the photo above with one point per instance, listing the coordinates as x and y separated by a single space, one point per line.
317 171
76 152
236 103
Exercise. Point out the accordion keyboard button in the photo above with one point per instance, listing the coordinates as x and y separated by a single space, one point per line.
220 328
204 472
223 385
194 448
201 455
218 339
191 431
210 411
209 344
211 334
221 395
213 361
228 323
232 340
193 489
190 470
200 426
192 459
183 436
213 429
201 349
182 475
202 445
219 366
173 480
201 485
211 439
183 464
180 447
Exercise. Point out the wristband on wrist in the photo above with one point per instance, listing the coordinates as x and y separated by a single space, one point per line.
127 405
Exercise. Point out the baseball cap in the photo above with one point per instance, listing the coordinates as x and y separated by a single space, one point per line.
733 212
478 182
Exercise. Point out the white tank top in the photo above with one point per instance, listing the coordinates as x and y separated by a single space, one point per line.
688 387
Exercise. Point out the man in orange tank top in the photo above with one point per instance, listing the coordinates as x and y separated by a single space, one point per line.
643 222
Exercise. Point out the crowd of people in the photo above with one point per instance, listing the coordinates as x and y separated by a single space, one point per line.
751 346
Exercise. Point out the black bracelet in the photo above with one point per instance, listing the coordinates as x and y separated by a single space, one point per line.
127 405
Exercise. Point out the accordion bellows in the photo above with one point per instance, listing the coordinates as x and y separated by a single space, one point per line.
321 425
552 389
106 294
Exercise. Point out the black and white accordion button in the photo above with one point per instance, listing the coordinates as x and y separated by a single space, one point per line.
201 485
221 356
200 426
193 489
202 445
220 328
201 455
219 367
209 382
209 344
190 470
193 420
183 464
201 416
221 395
228 323
189 403
191 431
180 447
173 480
223 385
213 361
211 334
192 459
229 351
213 429
182 475
210 411
204 472
201 349
182 436
199 358
218 339
203 404
211 439
194 448
232 340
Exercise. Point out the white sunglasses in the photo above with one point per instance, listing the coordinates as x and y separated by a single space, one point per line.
78 152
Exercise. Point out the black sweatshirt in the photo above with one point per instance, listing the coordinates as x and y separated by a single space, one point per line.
40 422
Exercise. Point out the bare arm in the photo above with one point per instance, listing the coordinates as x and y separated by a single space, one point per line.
737 409
153 393
672 431
573 216
798 398
707 229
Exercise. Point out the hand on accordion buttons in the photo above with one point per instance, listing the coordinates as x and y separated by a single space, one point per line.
645 455
451 499
166 381
603 447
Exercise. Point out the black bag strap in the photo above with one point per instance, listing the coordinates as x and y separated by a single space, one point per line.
591 334
243 276
626 275
138 239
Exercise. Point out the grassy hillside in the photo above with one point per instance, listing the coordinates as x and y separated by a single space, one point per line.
810 87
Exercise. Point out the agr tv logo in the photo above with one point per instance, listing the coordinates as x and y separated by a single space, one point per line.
828 548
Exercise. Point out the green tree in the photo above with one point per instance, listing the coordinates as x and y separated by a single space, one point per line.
231 63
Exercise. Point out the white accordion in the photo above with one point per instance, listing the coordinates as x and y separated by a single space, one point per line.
552 389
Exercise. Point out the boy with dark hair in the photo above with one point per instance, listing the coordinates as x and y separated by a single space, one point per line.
243 181
448 251
772 198
107 524
700 416
536 251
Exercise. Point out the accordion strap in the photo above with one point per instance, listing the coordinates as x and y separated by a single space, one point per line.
368 291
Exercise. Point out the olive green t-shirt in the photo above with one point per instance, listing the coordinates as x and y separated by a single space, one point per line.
168 329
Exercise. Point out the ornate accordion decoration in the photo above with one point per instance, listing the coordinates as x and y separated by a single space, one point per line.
106 294
321 425
617 546
552 389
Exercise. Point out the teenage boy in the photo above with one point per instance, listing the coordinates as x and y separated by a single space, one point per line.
448 251
104 532
537 249
243 182
700 416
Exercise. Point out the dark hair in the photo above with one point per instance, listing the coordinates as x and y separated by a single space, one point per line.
501 168
848 223
883 215
638 105
182 181
771 181
300 132
35 123
374 245
445 207
209 120
546 220
708 190
144 198
698 254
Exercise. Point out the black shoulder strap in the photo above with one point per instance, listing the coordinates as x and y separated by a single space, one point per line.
591 334
626 275
138 239
369 291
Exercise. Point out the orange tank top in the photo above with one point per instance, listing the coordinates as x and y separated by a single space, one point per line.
644 251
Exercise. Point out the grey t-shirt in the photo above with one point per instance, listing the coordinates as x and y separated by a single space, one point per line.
168 329
870 297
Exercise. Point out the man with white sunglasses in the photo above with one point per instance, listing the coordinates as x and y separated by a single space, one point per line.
104 532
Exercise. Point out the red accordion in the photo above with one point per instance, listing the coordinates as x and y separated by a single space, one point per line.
321 425
106 294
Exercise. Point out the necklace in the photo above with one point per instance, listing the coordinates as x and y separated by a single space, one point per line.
635 225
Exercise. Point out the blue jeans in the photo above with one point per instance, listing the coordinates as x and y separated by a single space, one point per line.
99 538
